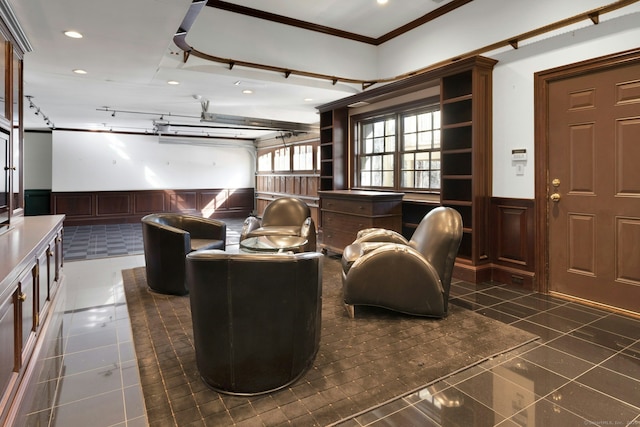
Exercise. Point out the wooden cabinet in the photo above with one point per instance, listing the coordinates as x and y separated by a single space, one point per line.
30 273
345 212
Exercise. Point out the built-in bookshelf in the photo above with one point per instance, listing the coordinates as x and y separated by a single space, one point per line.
465 102
333 143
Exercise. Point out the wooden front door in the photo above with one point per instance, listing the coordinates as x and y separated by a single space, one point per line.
593 186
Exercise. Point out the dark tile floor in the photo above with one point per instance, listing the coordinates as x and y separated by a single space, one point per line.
584 369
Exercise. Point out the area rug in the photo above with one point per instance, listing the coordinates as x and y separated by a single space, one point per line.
362 363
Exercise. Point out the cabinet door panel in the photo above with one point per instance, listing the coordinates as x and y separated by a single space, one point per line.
7 343
27 297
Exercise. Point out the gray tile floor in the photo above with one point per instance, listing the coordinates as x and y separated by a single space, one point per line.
584 369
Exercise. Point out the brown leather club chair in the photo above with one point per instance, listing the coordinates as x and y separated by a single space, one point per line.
286 216
168 238
381 268
256 318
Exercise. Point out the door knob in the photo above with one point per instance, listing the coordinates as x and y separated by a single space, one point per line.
555 197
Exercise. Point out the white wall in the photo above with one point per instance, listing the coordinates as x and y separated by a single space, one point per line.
88 161
483 23
513 92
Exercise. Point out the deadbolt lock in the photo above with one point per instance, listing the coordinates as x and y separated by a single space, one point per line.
555 182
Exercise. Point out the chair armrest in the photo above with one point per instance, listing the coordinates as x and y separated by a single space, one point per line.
249 224
308 231
395 276
357 250
382 235
203 228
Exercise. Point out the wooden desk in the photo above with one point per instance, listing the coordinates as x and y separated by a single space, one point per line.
344 212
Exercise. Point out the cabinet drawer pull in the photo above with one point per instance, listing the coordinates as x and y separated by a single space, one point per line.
22 297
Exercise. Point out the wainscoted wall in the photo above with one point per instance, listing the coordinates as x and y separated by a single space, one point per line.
273 186
513 240
111 207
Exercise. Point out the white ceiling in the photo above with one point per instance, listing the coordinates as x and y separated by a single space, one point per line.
129 55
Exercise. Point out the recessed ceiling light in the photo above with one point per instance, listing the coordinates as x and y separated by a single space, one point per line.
73 34
79 71
382 1
247 91
173 82
308 99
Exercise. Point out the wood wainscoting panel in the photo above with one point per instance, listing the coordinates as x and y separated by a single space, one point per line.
513 239
149 202
113 207
112 203
183 201
77 204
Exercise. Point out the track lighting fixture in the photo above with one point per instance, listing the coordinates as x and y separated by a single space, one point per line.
37 112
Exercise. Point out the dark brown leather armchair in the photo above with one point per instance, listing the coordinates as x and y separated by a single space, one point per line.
256 318
286 216
168 238
381 268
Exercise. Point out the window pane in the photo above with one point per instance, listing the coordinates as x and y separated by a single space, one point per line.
422 179
422 161
424 140
376 179
436 119
407 161
390 143
388 162
435 160
387 179
367 131
410 124
365 178
391 127
376 163
378 145
410 142
378 129
424 122
407 179
368 146
435 179
436 139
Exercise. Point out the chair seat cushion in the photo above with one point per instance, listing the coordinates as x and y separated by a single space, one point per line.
200 244
276 230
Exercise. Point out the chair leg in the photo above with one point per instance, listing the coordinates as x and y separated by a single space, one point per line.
350 310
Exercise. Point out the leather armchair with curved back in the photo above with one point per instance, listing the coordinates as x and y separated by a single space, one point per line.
256 318
168 238
286 216
381 268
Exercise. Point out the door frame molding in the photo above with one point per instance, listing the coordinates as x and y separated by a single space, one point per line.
541 82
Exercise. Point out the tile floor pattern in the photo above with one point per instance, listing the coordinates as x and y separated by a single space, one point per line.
99 241
584 369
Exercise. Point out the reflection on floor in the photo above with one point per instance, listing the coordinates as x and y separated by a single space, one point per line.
585 369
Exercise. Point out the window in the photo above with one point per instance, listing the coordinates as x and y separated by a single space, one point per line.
264 163
378 146
400 151
281 160
302 157
420 167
